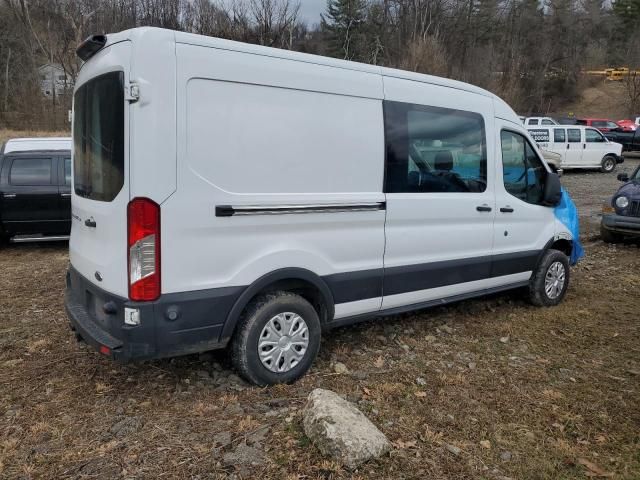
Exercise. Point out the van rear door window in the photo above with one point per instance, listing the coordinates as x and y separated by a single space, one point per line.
558 135
98 137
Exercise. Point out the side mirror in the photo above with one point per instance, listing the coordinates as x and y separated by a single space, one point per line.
623 177
552 190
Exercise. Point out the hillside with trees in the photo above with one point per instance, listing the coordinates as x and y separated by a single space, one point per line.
530 52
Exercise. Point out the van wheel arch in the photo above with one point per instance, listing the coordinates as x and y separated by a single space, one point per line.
302 282
563 245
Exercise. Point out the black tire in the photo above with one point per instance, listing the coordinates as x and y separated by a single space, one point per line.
608 164
244 347
608 236
538 295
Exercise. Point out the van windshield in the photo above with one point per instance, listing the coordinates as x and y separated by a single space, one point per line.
98 137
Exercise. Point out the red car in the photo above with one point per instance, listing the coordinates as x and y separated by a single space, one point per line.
602 124
628 125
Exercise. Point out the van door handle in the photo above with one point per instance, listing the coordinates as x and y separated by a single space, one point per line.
568 144
506 209
483 208
90 222
65 194
584 145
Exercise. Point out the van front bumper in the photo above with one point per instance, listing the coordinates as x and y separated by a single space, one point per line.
619 159
173 325
621 224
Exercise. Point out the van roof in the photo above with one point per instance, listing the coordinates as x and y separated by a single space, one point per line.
36 143
503 110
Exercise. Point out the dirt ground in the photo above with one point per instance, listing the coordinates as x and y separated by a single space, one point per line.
522 392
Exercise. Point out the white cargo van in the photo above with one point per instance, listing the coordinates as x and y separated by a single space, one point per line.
234 195
580 147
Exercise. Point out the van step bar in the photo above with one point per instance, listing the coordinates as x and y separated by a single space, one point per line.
39 238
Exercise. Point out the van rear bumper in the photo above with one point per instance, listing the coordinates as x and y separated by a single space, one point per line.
173 325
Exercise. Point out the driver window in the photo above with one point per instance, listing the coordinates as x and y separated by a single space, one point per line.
432 149
593 136
523 172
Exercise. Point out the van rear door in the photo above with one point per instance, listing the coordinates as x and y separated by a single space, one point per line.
100 193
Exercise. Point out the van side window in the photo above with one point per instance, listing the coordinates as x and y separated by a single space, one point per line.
559 135
593 136
533 121
523 172
547 122
30 171
432 149
573 135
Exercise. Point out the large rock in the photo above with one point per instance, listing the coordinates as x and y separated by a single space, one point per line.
338 429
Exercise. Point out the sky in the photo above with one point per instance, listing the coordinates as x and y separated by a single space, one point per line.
310 10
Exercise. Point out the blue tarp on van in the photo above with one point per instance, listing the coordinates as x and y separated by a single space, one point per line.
567 213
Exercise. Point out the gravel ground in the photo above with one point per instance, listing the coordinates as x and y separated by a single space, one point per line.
485 389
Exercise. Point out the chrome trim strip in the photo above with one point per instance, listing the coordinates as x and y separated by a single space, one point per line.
231 210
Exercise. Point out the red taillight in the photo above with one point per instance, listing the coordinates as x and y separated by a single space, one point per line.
143 224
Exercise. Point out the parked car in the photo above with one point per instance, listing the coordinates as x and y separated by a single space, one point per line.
602 124
35 189
630 141
530 121
621 217
580 147
554 160
254 197
628 125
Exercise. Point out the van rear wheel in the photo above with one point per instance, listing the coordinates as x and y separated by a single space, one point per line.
608 164
277 339
550 279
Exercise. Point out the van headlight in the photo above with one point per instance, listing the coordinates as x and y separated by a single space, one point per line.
622 202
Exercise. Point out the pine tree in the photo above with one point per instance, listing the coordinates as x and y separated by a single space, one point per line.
344 25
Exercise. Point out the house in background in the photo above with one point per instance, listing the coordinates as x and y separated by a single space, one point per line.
53 79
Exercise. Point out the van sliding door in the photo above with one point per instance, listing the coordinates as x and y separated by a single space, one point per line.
440 193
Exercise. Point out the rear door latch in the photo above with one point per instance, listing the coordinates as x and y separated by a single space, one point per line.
132 92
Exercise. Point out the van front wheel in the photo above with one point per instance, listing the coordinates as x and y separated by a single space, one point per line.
608 164
277 339
550 279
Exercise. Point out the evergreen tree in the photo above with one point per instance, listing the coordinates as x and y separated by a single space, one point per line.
344 24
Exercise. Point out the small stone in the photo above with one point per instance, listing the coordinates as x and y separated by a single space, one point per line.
453 449
504 339
222 439
446 328
505 456
244 456
471 365
360 375
125 427
405 347
340 368
203 375
485 444
257 437
421 381
429 338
